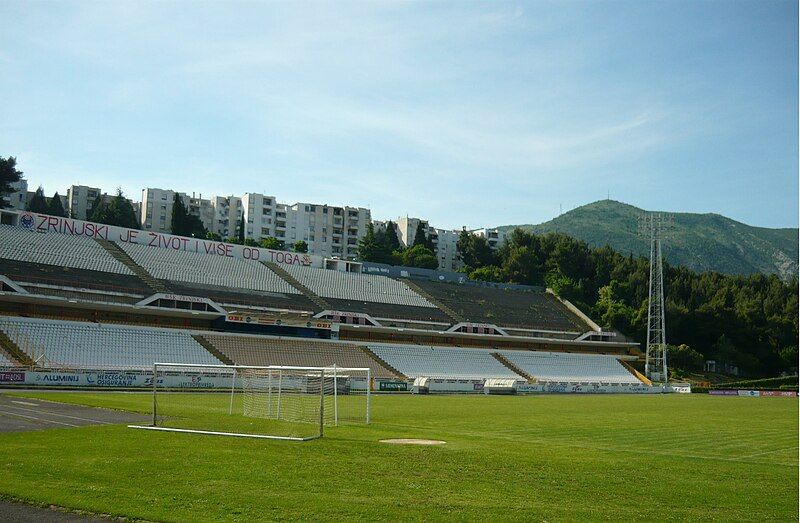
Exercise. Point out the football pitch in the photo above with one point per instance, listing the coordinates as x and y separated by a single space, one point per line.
546 457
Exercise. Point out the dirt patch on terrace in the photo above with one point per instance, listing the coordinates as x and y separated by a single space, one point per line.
412 441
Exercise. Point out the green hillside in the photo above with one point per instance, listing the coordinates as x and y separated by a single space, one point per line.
701 242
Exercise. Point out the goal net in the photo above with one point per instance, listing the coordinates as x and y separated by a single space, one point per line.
276 402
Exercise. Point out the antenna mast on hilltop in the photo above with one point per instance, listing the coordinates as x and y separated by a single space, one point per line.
656 227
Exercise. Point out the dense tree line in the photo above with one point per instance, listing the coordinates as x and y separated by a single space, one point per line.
115 210
750 321
8 174
383 246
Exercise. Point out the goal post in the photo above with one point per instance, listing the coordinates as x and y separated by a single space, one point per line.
273 402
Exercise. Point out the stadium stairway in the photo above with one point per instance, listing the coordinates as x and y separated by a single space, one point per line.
382 363
513 368
114 250
212 349
453 315
641 377
14 353
291 280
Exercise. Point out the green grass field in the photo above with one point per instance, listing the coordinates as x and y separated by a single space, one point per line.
548 457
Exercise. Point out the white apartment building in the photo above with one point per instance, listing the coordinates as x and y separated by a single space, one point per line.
328 230
445 241
446 249
156 209
18 198
494 237
227 210
260 216
80 199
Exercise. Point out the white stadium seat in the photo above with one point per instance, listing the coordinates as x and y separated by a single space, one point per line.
5 362
78 345
204 269
442 362
570 367
357 286
77 252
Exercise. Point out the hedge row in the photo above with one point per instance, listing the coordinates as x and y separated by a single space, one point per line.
704 390
764 383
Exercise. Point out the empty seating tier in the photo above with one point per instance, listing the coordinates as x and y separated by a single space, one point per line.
5 361
264 350
29 272
76 252
166 264
357 287
229 295
74 345
570 367
440 362
387 310
505 307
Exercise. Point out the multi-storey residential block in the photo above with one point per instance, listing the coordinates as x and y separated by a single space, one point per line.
18 198
80 199
156 209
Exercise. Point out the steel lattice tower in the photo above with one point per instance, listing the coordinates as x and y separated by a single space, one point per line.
655 227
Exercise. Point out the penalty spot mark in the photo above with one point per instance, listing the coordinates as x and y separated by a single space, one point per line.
412 441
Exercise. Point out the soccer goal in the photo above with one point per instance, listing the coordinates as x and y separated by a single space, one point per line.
273 402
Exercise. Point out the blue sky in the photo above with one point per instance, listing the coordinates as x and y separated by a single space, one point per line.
464 113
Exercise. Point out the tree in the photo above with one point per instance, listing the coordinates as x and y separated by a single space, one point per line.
300 246
213 236
8 175
55 207
272 243
179 216
419 256
38 203
612 312
184 223
684 357
474 250
392 241
117 211
96 204
368 247
420 236
241 229
789 357
491 273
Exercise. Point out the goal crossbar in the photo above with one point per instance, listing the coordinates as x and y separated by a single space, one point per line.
259 386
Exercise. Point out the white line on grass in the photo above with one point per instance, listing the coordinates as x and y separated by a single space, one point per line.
770 452
37 419
40 411
586 445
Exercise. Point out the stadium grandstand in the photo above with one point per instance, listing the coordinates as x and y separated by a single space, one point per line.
110 299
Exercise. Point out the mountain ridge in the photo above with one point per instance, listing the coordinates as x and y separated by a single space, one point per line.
699 241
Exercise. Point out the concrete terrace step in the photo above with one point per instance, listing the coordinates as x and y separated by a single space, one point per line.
115 251
513 368
383 364
457 318
14 353
291 280
212 349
